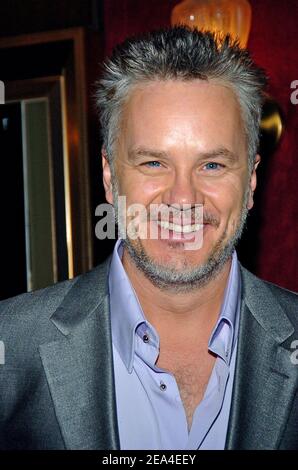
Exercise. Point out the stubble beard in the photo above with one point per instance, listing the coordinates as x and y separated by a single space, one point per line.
185 279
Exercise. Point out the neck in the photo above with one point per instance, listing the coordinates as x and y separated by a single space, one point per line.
181 313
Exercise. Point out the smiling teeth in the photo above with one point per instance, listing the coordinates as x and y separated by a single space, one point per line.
179 228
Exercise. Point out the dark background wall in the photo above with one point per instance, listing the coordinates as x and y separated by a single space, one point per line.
269 247
25 16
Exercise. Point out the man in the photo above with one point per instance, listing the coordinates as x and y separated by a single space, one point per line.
170 344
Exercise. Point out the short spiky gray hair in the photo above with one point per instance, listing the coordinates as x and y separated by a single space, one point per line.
180 53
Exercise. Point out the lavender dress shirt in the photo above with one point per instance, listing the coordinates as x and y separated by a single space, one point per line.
150 411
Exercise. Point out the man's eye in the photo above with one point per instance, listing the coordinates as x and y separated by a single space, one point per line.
153 164
213 166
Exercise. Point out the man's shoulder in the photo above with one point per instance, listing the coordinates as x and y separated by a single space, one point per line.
45 301
39 305
30 320
274 288
260 290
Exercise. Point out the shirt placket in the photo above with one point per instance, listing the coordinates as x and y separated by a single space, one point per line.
164 394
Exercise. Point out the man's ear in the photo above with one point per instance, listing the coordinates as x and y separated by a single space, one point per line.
253 182
107 176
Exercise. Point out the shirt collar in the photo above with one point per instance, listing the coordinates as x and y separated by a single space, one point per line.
224 334
127 314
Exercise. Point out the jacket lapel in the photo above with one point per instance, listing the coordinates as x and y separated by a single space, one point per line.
265 378
79 367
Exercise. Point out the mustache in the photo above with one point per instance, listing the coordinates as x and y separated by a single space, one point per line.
211 219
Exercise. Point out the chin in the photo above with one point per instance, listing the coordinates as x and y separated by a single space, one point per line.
173 255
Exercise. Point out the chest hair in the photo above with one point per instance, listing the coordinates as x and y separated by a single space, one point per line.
192 377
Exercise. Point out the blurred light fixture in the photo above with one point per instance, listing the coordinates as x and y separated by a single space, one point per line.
224 16
233 17
272 125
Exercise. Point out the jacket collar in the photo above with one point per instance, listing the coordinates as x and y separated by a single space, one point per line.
265 378
79 367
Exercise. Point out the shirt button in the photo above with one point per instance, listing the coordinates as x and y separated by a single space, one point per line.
163 386
146 338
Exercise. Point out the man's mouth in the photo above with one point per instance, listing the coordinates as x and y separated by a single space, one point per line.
178 228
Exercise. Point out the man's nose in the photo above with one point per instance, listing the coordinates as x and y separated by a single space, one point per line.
183 190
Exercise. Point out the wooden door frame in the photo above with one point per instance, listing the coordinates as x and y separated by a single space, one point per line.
76 106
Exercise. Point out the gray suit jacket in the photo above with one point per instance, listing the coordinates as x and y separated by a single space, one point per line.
57 385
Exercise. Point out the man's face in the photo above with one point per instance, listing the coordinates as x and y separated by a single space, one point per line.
183 143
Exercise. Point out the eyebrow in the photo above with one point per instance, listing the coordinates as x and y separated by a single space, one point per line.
221 152
145 152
